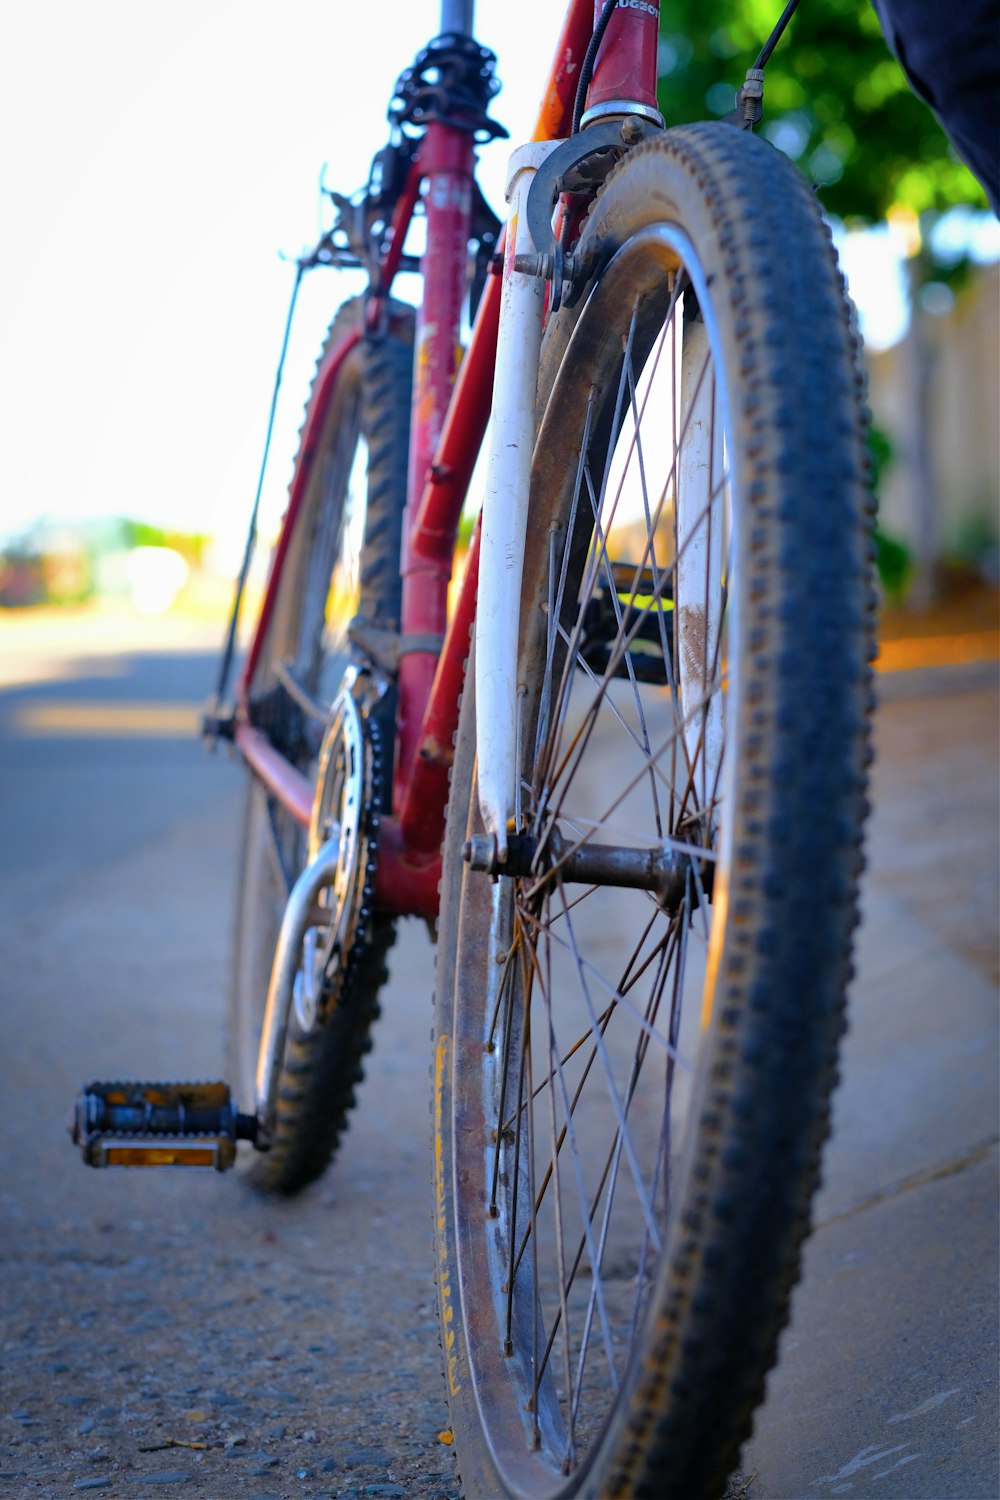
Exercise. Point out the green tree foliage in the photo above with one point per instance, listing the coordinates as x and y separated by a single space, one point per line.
835 100
191 545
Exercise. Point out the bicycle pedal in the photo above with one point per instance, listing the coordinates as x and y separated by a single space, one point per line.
159 1125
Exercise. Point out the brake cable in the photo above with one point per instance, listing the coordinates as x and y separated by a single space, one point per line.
775 37
587 67
230 646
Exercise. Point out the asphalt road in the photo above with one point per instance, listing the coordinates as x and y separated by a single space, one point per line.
166 1330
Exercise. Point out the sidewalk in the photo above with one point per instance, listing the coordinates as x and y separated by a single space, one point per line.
886 1389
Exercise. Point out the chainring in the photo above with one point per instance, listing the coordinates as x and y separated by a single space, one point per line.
345 808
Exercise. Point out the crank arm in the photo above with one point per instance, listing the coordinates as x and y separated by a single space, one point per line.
300 914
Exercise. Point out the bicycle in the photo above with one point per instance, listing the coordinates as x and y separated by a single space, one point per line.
647 714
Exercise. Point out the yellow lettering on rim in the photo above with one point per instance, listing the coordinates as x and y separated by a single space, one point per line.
448 1339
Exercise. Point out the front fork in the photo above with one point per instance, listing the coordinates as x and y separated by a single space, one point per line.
623 85
505 505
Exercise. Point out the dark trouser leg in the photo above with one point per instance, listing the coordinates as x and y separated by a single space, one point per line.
951 55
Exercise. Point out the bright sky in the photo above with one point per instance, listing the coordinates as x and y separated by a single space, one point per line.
157 159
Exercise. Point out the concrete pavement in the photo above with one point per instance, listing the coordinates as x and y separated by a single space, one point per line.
887 1389
115 868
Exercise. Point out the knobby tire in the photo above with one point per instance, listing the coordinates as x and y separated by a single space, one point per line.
618 1231
325 585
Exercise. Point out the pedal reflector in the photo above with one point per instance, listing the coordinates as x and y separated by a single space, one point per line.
159 1125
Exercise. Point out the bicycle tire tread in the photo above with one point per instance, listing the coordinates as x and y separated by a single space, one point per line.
808 536
671 1456
322 1069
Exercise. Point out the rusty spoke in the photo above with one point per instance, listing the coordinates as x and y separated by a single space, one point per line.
592 568
613 1162
625 789
576 1164
619 995
522 1075
505 987
565 771
595 1202
610 1084
545 743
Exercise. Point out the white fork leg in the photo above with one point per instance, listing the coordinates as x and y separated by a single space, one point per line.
505 507
698 584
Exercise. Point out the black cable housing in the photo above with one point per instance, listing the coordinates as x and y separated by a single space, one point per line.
775 37
229 648
589 59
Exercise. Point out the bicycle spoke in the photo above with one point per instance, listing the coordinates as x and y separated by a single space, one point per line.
590 575
593 1210
629 786
525 1050
539 1197
555 603
566 1058
614 1157
616 1103
536 1307
629 665
560 1244
505 987
615 993
589 672
597 1030
580 740
662 1163
629 980
551 871
565 770
577 1168
650 525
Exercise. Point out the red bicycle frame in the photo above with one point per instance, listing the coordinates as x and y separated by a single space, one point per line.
451 406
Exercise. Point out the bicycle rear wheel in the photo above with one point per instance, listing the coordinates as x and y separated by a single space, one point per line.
637 1024
343 565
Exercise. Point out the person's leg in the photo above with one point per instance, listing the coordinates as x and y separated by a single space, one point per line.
951 55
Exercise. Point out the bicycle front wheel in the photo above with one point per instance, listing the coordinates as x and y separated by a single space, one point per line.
342 568
638 1020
